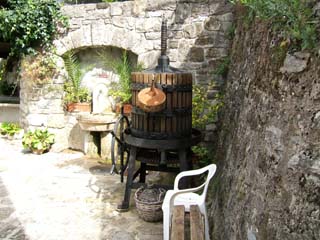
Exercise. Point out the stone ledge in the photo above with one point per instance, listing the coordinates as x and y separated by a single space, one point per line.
9 105
8 99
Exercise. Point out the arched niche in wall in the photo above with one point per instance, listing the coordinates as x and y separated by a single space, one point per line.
98 65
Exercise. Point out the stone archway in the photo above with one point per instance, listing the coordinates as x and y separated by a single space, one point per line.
110 26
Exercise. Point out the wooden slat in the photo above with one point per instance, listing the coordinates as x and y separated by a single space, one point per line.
177 223
133 79
169 103
163 118
196 223
166 124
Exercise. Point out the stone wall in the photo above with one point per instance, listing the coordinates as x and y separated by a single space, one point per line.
268 182
197 42
41 103
197 31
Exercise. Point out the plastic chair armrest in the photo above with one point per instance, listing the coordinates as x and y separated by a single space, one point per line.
188 173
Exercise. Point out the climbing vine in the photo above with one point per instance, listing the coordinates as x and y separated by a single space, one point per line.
30 25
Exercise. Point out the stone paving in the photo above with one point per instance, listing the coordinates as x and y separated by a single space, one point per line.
59 196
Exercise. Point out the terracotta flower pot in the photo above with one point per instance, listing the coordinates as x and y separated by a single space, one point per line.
79 107
127 108
37 151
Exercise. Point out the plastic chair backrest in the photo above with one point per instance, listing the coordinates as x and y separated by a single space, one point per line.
211 171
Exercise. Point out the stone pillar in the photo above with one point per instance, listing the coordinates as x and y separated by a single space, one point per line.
41 98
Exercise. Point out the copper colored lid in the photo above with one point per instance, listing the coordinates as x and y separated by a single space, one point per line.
151 99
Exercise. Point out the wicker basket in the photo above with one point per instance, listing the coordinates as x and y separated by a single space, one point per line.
148 202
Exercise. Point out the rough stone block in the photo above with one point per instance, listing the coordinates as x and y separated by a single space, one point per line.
216 53
142 45
86 36
156 45
209 136
56 121
199 10
211 127
173 55
153 35
295 63
120 21
196 54
149 25
37 119
183 11
227 17
173 44
218 8
175 34
183 49
127 8
154 14
108 34
116 9
213 24
161 4
103 5
225 26
149 59
103 14
97 31
61 137
61 48
67 42
193 30
53 92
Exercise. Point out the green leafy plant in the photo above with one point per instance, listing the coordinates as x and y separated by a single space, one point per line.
203 111
223 68
294 19
39 68
204 156
120 90
9 129
28 25
73 91
3 65
39 140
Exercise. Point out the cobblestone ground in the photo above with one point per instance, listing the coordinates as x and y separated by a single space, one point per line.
63 196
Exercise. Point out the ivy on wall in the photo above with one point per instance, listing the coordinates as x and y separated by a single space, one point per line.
30 24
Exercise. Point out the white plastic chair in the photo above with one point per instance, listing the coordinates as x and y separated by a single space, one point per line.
187 197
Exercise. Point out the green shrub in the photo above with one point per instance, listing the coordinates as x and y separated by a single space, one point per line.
28 25
203 111
39 139
294 19
9 128
120 90
74 93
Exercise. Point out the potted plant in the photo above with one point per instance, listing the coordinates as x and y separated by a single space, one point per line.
3 129
38 141
120 90
76 98
10 130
